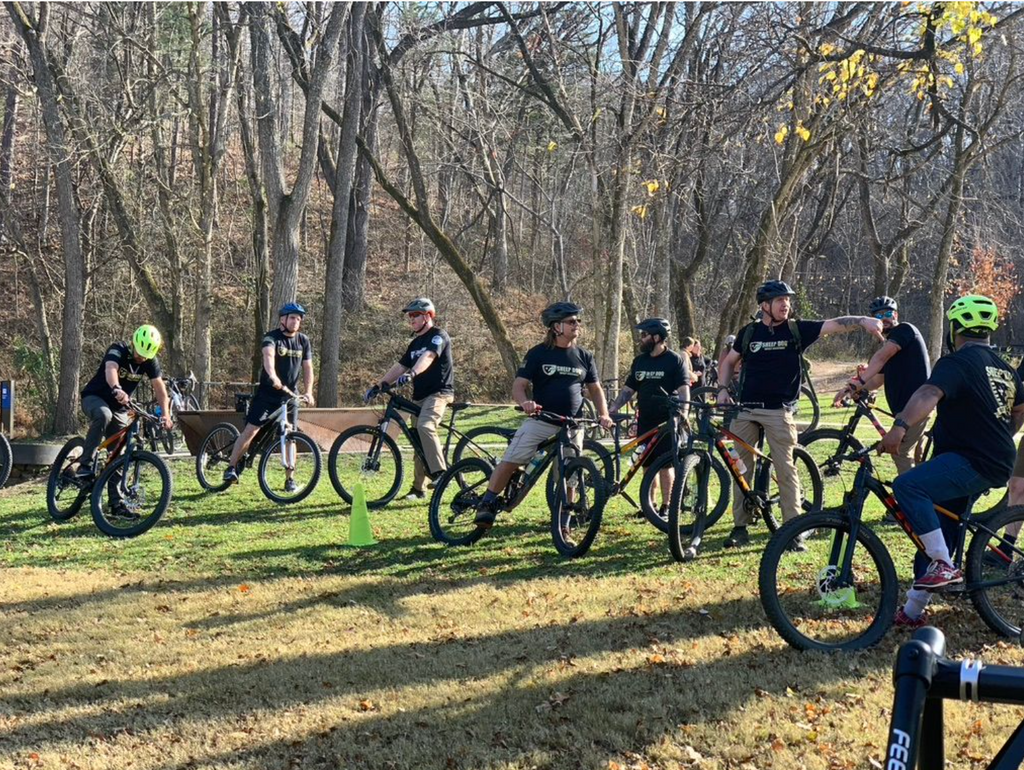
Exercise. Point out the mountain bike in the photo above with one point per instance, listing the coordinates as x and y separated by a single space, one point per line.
841 592
128 494
6 459
576 511
367 454
922 679
611 389
181 399
701 494
289 460
808 410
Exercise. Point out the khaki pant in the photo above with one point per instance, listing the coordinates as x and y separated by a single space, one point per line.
533 433
431 411
780 432
904 457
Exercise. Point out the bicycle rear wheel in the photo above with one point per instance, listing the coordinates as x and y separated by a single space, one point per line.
364 455
6 456
808 412
579 505
688 511
719 492
806 599
301 458
214 455
995 561
131 495
810 488
486 442
827 446
64 497
453 504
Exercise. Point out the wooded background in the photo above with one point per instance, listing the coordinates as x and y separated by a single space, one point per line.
194 166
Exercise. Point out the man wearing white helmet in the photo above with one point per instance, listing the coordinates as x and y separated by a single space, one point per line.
427 363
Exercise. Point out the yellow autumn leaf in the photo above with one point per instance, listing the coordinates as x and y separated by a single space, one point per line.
640 211
652 186
959 68
803 133
552 145
781 134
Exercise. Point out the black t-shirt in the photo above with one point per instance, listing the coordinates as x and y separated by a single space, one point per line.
653 377
129 374
289 353
558 376
771 365
908 370
973 418
439 377
698 364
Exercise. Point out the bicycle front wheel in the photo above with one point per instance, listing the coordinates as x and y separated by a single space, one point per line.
131 495
453 504
827 447
6 456
289 476
596 452
994 571
579 505
64 497
364 455
214 455
808 412
696 492
810 488
719 485
808 600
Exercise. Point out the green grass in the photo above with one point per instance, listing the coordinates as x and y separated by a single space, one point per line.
238 633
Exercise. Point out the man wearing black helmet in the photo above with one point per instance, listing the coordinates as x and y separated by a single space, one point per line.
770 350
556 370
901 365
427 363
655 373
287 352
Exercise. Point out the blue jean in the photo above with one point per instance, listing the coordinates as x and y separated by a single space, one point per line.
948 480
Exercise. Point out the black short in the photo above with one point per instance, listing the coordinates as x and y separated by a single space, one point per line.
664 441
261 407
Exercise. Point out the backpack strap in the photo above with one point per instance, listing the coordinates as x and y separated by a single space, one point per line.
746 334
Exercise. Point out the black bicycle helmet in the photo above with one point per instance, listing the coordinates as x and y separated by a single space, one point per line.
659 326
420 305
559 311
878 304
292 308
770 290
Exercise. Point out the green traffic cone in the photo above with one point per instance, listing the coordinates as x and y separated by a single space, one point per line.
359 532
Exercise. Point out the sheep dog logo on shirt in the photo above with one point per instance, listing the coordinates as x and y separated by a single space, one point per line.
570 371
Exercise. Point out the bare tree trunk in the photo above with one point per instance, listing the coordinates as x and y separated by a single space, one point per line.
357 245
327 390
33 33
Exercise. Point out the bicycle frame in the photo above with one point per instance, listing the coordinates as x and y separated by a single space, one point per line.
277 422
923 678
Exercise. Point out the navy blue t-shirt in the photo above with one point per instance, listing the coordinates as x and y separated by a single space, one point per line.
129 374
973 418
908 370
558 375
439 377
771 365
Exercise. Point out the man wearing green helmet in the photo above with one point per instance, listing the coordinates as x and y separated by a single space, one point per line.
105 397
979 403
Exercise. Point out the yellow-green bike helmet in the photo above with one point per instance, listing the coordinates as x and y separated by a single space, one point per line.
974 315
147 341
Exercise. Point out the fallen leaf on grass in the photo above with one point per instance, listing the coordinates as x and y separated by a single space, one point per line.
243 588
367 705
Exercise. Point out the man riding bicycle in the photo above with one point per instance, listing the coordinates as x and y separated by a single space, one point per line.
105 397
427 363
770 350
655 373
979 403
902 365
556 369
286 353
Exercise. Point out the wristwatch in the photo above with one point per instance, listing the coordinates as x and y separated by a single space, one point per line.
899 422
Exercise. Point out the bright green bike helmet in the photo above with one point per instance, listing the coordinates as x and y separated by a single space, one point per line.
973 315
147 341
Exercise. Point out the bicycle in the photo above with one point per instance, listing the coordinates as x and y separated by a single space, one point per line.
922 678
841 592
289 460
131 480
690 512
611 392
807 415
6 459
576 511
368 454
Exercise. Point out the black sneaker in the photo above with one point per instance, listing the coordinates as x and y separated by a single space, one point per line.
415 494
120 512
291 487
434 478
230 474
737 537
485 515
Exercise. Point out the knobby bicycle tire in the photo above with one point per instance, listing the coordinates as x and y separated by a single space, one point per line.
827 446
581 475
812 610
6 459
807 470
601 457
815 411
58 484
453 502
213 456
688 509
999 604
717 506
477 442
122 526
311 454
373 460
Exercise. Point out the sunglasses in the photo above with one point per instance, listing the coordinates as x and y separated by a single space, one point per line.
573 321
415 315
886 314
